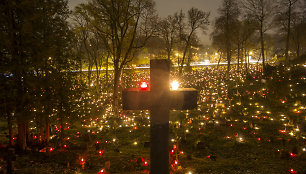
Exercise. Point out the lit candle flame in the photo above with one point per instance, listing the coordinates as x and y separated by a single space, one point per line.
175 85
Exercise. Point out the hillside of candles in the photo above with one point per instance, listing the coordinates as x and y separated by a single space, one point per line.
248 124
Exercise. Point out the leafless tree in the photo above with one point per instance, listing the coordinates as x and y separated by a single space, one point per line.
285 16
197 19
123 26
298 35
261 11
168 30
224 26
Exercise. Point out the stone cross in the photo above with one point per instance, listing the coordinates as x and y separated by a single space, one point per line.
159 99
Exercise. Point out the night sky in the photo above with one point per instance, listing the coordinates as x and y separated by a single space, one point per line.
169 7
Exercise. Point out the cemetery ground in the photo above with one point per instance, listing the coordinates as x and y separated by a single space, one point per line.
248 124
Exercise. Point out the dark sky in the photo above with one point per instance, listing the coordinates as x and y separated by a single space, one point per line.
169 7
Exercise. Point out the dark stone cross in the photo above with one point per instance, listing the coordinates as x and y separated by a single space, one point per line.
159 99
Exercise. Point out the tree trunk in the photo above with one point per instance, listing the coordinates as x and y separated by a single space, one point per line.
117 73
21 139
47 130
248 65
246 59
219 61
288 35
10 127
106 73
185 51
189 59
183 60
17 61
298 50
228 66
97 70
21 121
9 122
89 73
27 130
81 69
60 112
262 46
41 130
238 57
228 56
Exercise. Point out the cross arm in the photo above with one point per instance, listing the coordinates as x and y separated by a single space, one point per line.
183 99
135 99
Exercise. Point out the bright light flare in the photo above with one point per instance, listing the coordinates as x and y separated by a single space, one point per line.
143 85
101 171
145 163
174 85
292 171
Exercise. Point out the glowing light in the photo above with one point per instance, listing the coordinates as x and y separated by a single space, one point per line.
101 152
175 85
101 171
292 155
145 163
143 85
292 171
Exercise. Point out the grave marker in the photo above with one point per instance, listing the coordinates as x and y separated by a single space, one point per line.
159 99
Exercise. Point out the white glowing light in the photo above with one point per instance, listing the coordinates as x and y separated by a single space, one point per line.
143 85
175 85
